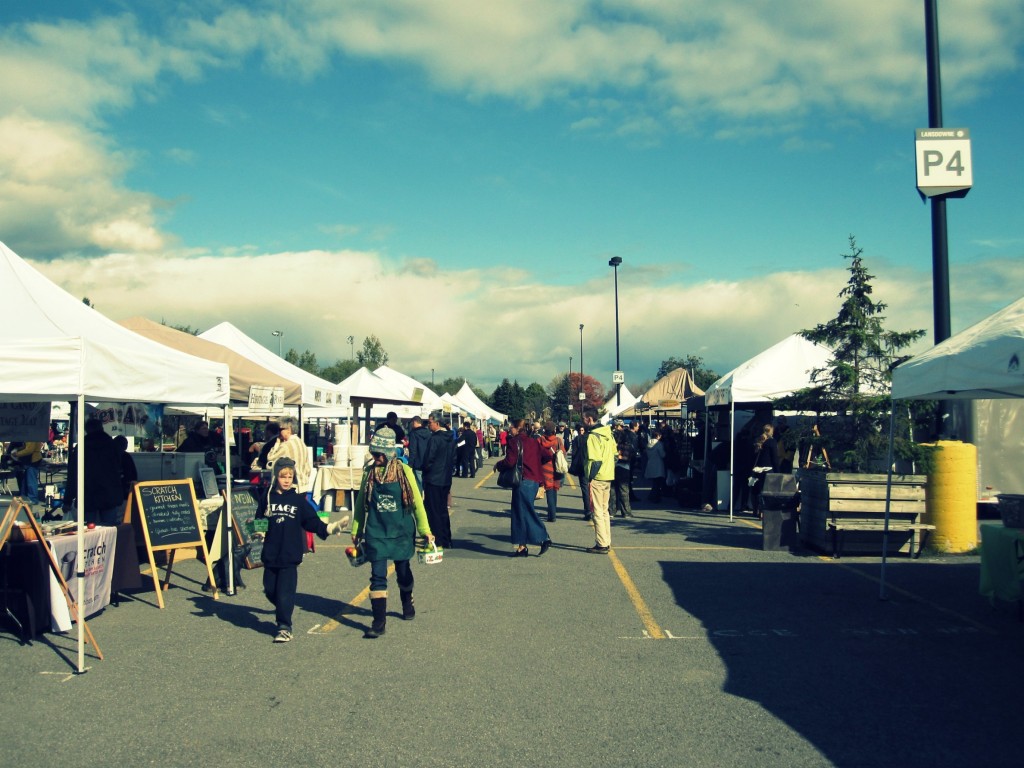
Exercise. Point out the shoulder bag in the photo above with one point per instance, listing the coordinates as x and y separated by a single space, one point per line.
513 476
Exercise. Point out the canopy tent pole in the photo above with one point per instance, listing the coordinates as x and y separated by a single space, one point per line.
229 485
882 591
80 508
732 452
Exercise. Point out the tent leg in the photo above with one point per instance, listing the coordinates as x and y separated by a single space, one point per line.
882 590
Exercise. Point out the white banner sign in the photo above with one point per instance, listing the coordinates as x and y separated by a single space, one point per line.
99 545
266 399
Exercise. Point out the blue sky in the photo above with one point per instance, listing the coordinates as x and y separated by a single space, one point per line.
454 176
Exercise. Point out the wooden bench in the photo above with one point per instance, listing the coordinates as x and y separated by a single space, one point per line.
845 511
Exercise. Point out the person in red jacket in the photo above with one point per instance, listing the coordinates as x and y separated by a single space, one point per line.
527 527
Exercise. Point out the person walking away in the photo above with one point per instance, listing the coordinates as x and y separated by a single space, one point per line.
623 479
655 471
527 527
389 512
550 443
766 459
437 479
599 468
419 437
576 467
466 445
289 517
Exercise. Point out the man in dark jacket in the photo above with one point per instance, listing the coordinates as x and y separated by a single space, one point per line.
104 499
466 450
438 465
419 436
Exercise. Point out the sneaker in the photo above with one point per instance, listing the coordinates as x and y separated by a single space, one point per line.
598 550
283 636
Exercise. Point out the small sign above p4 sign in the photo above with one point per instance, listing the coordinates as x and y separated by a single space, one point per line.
943 161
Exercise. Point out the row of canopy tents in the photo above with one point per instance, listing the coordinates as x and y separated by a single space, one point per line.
56 348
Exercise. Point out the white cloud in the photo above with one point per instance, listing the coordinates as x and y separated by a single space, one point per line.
488 323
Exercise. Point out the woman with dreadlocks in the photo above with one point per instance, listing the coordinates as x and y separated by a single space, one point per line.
388 514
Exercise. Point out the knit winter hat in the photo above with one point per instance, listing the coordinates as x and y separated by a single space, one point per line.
383 441
282 463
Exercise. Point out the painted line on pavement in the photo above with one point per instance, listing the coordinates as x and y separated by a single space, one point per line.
634 597
911 595
332 624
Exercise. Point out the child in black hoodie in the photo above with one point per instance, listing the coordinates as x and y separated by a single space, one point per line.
288 515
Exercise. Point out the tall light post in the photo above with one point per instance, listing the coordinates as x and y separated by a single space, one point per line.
279 334
352 344
568 393
614 262
582 396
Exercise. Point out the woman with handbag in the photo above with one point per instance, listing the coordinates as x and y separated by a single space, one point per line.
551 442
525 452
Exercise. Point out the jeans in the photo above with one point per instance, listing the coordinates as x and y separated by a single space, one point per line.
28 483
527 527
551 496
379 575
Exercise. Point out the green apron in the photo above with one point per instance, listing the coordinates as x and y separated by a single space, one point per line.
390 532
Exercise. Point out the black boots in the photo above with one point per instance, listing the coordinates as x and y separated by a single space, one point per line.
380 612
408 609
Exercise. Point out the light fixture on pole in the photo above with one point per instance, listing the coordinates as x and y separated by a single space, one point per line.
352 344
614 262
582 395
279 334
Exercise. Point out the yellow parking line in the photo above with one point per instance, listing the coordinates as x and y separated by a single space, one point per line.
484 480
634 597
332 624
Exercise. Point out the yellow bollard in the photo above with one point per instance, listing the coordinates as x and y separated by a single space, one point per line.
951 504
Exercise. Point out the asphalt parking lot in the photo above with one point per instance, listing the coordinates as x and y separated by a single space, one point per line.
687 644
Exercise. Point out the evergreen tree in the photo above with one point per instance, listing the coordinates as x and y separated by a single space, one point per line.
536 402
501 398
306 361
856 383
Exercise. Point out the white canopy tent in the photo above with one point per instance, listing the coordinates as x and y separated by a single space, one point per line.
316 392
428 399
982 362
61 349
366 388
776 372
476 406
626 400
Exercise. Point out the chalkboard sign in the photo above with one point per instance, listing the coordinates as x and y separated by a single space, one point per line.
168 514
243 510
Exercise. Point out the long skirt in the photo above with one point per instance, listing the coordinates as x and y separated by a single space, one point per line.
527 527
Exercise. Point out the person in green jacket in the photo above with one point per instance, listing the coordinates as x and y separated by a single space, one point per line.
388 514
599 469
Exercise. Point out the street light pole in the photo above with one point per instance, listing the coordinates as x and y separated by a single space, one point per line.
614 262
279 335
568 394
582 396
352 344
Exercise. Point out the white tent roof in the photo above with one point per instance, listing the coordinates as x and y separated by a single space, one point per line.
476 406
626 401
54 347
408 385
982 362
365 386
778 371
244 372
315 391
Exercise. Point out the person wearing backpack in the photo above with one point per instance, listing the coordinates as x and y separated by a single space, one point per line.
552 443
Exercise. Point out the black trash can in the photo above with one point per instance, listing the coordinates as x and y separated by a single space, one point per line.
779 524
